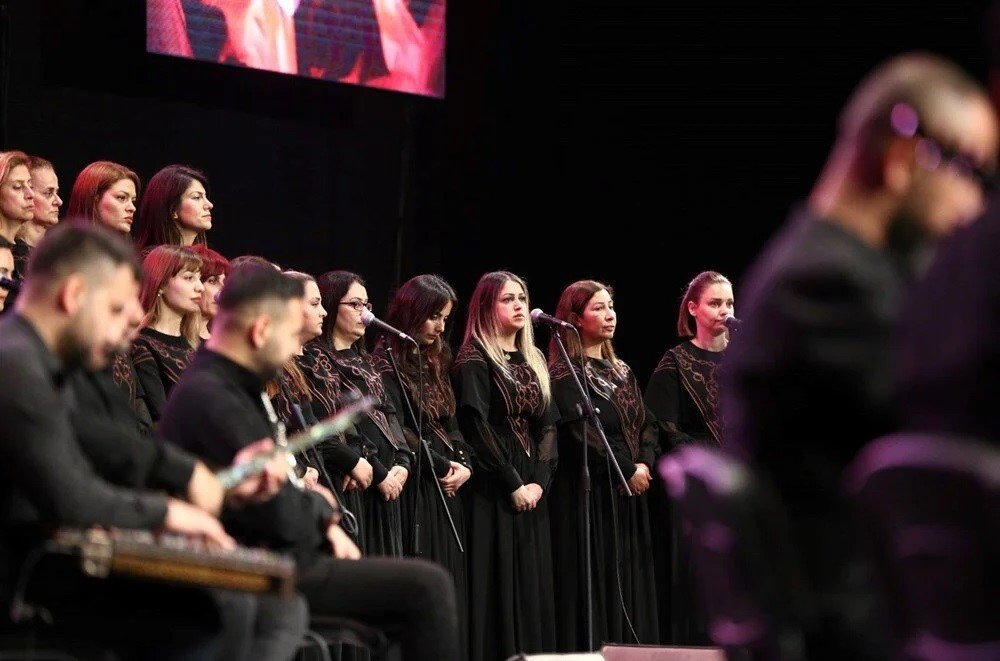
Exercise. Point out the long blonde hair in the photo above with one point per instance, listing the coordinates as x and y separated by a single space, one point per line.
481 325
161 264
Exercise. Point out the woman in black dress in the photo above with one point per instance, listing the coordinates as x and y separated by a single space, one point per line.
171 299
506 414
421 308
683 396
345 296
621 571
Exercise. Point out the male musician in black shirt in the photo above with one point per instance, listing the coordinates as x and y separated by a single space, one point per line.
73 307
806 383
255 628
216 409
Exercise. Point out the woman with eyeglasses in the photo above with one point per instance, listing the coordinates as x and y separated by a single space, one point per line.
421 308
621 555
683 395
45 192
344 294
171 298
505 412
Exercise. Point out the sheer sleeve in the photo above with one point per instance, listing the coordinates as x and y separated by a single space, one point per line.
471 381
547 453
663 394
147 374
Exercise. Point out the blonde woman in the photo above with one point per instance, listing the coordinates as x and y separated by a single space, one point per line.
505 413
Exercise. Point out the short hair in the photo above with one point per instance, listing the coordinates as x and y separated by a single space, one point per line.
919 80
74 246
251 284
39 163
686 326
92 182
212 263
155 224
256 260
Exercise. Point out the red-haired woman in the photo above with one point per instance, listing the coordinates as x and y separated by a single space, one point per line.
171 299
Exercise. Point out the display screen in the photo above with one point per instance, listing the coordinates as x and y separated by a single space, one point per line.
389 44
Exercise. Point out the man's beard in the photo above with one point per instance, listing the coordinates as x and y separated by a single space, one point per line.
909 244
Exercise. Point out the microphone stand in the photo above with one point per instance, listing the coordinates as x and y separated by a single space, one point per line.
425 455
589 413
346 516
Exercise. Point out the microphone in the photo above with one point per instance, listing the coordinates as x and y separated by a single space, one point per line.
540 317
732 323
367 318
8 284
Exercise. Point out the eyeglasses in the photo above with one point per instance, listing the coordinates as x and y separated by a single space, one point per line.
357 305
933 155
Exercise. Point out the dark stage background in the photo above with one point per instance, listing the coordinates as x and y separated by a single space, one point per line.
635 143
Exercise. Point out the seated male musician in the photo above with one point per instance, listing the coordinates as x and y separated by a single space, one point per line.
216 409
74 306
259 628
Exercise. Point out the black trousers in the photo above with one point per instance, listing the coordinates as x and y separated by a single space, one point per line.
412 601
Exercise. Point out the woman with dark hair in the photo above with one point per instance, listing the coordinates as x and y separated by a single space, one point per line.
175 209
421 308
171 298
105 193
299 392
621 555
683 395
505 412
214 268
345 296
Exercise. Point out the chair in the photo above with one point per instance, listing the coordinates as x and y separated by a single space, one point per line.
326 630
747 576
930 506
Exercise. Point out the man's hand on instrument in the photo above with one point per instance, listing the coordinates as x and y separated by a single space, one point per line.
344 547
204 490
266 484
186 519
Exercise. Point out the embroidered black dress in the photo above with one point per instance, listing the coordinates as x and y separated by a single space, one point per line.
421 501
159 360
620 526
683 396
512 434
383 526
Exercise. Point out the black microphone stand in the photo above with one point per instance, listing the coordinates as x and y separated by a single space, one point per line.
421 456
586 408
347 518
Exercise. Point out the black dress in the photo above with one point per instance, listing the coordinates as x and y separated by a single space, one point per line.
683 396
159 360
621 540
383 526
421 501
339 455
512 434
